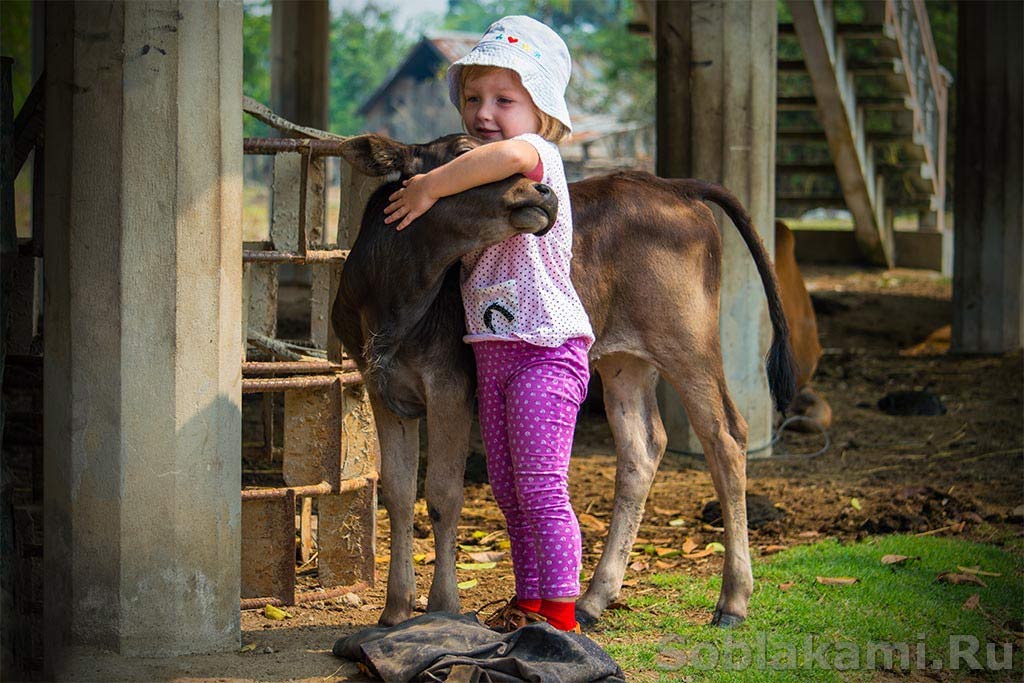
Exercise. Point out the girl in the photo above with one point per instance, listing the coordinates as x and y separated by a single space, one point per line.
529 332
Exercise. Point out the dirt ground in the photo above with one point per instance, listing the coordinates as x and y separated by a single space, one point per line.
960 472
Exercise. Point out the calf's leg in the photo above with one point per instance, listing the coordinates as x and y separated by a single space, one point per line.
632 409
697 375
399 454
449 419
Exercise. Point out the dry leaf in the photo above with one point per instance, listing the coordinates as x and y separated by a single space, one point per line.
772 549
897 559
477 535
475 566
715 547
473 548
491 537
960 579
689 545
958 527
809 534
786 585
662 565
699 554
248 647
466 585
638 566
275 613
488 556
665 512
977 570
591 522
836 580
666 552
381 558
630 583
972 602
677 522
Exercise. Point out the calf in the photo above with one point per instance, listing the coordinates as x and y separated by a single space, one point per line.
647 262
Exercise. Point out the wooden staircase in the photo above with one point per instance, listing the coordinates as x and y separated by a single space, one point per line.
870 135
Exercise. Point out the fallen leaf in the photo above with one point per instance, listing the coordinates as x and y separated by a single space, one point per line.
855 504
677 522
473 548
248 647
638 566
275 613
630 583
662 565
977 570
958 527
699 554
665 512
809 534
715 547
419 557
466 585
428 558
474 566
786 585
666 552
503 544
488 556
689 545
661 540
772 549
897 559
711 527
477 535
972 602
593 523
960 579
836 580
491 537
381 558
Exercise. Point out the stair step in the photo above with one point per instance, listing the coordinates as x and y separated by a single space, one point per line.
803 103
854 30
860 68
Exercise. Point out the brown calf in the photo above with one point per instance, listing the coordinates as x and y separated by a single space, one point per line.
647 262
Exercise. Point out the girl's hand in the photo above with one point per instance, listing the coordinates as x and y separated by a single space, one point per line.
410 202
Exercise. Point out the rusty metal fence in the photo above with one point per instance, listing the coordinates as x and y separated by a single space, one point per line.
330 453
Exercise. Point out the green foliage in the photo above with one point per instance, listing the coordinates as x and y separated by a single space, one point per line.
16 42
365 47
889 604
256 59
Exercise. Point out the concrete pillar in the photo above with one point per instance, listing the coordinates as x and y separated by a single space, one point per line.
143 311
724 131
988 281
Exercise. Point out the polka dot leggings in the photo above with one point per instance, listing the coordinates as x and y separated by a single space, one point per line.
529 397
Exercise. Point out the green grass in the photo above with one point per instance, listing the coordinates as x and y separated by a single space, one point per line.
659 641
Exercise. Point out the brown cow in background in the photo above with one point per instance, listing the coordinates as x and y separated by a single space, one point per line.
803 331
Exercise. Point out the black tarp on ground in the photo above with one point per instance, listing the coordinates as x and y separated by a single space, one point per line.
442 646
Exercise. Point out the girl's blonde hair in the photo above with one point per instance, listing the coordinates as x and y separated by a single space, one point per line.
551 129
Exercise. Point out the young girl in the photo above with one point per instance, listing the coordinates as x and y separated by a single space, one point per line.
529 332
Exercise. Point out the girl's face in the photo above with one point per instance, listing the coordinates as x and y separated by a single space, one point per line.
498 107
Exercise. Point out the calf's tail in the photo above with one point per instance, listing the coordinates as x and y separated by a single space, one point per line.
781 366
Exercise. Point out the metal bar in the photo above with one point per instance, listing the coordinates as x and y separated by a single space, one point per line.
296 367
303 240
316 148
260 384
321 489
308 596
311 256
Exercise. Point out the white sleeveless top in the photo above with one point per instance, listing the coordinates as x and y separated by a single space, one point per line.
520 289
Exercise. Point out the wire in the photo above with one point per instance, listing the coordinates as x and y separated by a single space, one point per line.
775 439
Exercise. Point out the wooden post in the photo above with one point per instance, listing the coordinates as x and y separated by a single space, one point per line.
988 285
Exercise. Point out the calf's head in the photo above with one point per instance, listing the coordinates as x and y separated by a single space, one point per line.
478 217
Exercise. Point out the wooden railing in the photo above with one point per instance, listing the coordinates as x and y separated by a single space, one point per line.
906 21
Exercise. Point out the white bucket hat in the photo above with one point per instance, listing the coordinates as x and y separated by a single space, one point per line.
533 51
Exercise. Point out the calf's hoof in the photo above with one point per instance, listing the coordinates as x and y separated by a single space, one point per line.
392 618
586 620
724 620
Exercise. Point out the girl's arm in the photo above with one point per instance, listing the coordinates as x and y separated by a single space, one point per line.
485 164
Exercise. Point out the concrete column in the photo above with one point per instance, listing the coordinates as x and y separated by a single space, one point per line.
988 281
143 312
728 52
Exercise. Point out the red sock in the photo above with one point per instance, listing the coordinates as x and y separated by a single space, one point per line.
561 615
530 605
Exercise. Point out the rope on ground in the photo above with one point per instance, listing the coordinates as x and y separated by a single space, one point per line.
775 439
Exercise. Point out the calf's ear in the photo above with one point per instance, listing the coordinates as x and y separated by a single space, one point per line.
375 155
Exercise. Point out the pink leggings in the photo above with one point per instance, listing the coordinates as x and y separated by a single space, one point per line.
529 397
